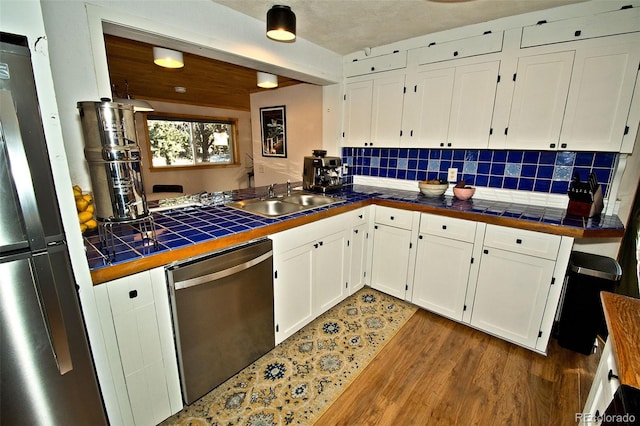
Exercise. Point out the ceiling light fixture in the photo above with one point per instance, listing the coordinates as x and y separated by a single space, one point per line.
138 105
281 23
267 81
167 58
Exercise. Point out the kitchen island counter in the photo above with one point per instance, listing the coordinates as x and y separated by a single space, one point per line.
191 231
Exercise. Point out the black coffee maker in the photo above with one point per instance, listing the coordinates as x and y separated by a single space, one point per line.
322 173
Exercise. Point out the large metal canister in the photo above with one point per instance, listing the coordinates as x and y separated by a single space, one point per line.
113 154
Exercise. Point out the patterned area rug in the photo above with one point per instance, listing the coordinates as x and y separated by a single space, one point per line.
298 380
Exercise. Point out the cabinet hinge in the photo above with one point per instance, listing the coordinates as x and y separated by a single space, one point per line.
626 130
540 333
627 6
346 285
275 274
553 280
277 328
464 308
400 133
396 51
490 130
410 245
544 21
364 274
514 76
344 97
347 243
506 130
433 43
366 236
343 134
404 90
411 133
486 32
415 88
406 287
472 260
498 78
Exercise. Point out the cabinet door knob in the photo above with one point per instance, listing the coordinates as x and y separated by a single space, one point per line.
355 230
391 218
485 251
441 143
577 33
455 53
321 243
359 216
373 68
612 376
419 237
563 145
315 245
444 226
552 145
518 241
133 294
449 144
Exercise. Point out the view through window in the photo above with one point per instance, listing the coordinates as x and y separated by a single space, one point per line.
191 142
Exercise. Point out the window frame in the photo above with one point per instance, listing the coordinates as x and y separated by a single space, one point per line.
170 116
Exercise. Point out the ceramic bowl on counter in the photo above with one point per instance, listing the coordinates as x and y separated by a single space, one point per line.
432 189
464 193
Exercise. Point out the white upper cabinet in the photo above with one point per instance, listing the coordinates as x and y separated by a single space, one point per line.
427 108
474 94
458 49
373 110
600 25
539 99
450 105
392 61
600 96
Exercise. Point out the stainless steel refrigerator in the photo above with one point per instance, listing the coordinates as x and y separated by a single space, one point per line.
46 370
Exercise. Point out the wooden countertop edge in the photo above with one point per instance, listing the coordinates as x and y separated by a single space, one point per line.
102 275
622 314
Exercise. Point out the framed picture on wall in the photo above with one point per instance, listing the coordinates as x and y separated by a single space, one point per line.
274 131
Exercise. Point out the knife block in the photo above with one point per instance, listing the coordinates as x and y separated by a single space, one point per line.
587 209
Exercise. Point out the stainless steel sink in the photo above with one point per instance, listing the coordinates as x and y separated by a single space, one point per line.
312 200
276 207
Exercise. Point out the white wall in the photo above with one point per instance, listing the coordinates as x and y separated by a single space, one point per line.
201 179
303 128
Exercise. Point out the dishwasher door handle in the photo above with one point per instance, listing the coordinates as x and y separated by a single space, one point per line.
179 285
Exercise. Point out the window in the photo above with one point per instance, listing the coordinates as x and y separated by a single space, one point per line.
187 141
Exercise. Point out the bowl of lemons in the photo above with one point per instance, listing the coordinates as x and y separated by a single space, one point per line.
85 209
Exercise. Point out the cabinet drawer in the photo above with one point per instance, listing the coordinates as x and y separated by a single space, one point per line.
472 46
522 241
394 217
448 227
389 62
359 216
604 24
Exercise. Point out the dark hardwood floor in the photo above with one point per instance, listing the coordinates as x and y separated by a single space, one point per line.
438 372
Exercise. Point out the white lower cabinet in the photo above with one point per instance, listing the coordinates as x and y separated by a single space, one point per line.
293 276
603 388
329 283
393 254
358 245
136 323
310 272
443 264
511 295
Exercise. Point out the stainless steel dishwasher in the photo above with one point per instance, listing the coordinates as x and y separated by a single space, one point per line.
222 308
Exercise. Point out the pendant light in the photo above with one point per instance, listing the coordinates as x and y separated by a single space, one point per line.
267 81
167 58
281 23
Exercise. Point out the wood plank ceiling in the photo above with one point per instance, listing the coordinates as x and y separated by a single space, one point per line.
207 82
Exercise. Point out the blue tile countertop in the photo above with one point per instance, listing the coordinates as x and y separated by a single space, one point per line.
182 227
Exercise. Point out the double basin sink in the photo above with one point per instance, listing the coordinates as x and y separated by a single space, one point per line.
284 205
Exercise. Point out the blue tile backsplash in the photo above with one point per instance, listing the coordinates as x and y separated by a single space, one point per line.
539 171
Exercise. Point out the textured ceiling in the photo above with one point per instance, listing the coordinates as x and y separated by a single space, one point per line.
347 26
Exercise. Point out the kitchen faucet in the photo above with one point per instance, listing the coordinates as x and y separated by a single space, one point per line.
288 188
271 193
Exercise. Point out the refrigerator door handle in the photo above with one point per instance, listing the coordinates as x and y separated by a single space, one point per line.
19 166
45 284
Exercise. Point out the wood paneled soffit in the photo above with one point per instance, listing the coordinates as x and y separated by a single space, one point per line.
208 82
